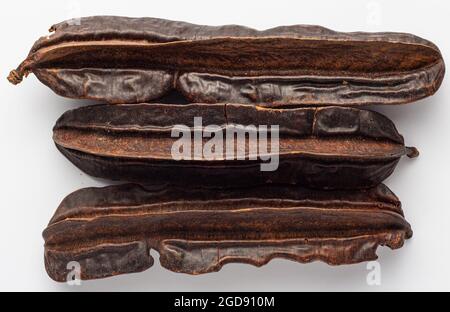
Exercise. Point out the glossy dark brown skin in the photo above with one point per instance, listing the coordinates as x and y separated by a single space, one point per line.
129 60
111 230
328 147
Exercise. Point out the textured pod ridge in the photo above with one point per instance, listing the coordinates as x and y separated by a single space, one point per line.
146 59
110 231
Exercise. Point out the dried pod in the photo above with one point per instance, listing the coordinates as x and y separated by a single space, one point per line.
135 60
111 230
327 147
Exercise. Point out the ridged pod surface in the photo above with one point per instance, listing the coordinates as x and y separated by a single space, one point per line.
136 60
327 147
110 231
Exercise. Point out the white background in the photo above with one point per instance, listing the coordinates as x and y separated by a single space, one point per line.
35 177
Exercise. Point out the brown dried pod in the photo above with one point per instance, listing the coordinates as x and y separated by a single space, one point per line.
327 147
110 231
136 60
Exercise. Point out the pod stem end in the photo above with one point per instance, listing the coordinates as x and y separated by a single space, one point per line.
412 152
15 77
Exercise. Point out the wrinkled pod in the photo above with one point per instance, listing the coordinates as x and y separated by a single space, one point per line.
110 231
328 147
136 60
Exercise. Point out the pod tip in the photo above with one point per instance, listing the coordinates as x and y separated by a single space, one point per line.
412 152
15 77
